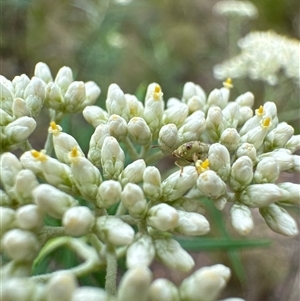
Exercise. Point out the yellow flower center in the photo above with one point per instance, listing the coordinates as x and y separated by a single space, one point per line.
157 94
39 156
228 83
202 166
54 128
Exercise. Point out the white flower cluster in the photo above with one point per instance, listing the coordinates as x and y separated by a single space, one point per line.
263 55
232 8
238 161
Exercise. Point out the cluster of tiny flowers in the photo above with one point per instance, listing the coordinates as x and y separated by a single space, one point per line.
234 156
263 55
231 8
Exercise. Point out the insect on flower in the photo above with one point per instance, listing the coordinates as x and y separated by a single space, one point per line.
190 152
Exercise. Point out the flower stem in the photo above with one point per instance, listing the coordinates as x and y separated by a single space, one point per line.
111 270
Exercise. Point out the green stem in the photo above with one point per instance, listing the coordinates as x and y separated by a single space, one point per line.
26 146
111 270
130 149
144 151
49 232
154 157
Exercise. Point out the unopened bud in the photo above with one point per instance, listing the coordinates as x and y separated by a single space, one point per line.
78 221
267 171
152 183
20 245
139 131
162 217
113 230
279 220
141 252
95 115
117 127
30 217
241 219
133 172
134 200
109 193
241 173
135 284
52 200
163 289
43 72
172 255
191 224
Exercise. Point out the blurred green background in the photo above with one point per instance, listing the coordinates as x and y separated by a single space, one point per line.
134 43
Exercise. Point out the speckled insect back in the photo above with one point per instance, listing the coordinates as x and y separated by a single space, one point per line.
192 151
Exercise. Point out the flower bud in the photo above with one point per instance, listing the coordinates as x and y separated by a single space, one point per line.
193 126
163 289
152 183
53 201
192 224
5 118
86 176
219 160
293 144
215 123
20 129
61 286
6 97
43 72
279 220
92 92
196 103
178 183
162 217
10 167
153 111
53 97
241 173
215 98
168 138
63 144
96 143
267 171
205 284
78 221
34 96
261 195
176 112
20 83
246 99
20 108
55 172
247 149
95 115
172 255
211 185
109 193
189 204
116 102
141 252
136 108
30 217
88 293
20 245
231 114
138 131
292 191
253 121
230 138
283 158
8 219
133 172
64 78
117 127
245 113
278 137
257 135
134 200
135 284
18 288
74 97
112 158
113 230
25 182
190 90
241 219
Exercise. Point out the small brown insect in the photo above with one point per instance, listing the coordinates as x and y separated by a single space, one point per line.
190 152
